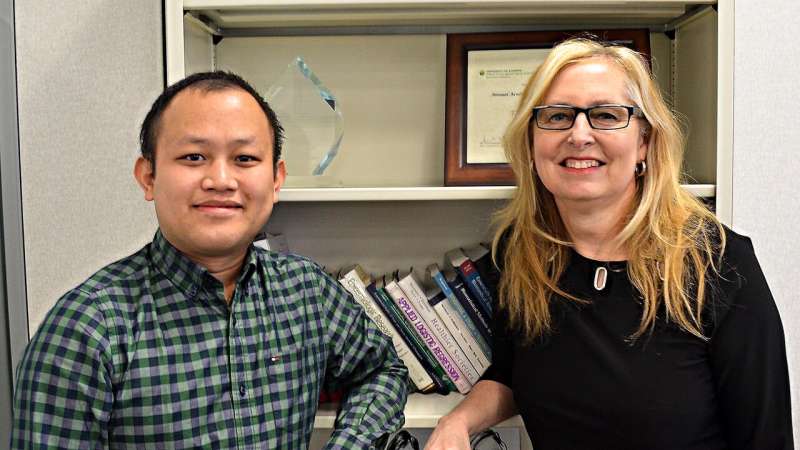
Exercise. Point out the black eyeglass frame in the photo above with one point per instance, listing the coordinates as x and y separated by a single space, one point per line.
633 111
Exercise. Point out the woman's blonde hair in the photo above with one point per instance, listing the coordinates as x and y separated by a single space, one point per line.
672 240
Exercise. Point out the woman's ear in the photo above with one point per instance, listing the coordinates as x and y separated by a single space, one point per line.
644 142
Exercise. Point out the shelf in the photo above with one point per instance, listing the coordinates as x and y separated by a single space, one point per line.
334 13
422 411
425 193
395 194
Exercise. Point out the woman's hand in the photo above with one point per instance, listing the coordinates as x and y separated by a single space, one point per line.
487 404
450 434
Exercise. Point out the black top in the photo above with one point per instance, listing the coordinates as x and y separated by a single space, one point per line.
585 386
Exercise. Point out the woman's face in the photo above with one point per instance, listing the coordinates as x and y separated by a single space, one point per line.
582 166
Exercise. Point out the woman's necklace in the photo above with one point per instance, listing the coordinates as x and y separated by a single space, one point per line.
601 276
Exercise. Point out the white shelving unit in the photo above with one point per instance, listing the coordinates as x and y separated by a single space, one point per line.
387 206
423 411
426 193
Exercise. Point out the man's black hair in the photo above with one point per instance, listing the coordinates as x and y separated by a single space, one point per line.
207 82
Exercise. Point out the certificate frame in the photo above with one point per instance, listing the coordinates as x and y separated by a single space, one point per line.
457 170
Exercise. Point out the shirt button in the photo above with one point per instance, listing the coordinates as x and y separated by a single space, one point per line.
242 390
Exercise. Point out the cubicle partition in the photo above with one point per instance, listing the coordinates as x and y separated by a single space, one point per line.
13 306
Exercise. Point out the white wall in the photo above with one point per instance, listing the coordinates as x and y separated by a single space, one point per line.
766 157
87 71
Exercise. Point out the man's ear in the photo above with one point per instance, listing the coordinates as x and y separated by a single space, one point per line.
143 172
280 177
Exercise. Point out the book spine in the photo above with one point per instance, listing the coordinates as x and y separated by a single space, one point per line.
470 306
458 332
461 319
418 375
417 297
451 369
475 285
419 348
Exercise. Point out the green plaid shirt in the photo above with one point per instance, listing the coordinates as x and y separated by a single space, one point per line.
146 354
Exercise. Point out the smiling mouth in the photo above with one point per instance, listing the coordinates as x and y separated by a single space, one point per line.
581 163
218 206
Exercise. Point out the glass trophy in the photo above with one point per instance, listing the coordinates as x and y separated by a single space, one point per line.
312 122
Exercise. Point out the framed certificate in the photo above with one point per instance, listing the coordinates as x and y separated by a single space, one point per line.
486 73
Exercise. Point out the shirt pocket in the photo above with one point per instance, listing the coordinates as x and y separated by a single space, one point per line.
294 381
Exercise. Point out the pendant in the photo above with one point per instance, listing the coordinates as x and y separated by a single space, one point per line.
600 278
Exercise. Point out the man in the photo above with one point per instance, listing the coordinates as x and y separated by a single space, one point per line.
201 340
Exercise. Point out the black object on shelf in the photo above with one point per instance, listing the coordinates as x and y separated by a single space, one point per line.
398 440
487 440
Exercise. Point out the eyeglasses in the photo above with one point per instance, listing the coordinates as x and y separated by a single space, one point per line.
601 117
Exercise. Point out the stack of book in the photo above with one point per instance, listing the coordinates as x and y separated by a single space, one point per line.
439 322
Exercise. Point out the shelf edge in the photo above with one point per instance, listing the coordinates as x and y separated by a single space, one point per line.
427 193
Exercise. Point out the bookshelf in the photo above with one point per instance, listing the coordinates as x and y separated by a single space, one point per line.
423 411
386 205
426 193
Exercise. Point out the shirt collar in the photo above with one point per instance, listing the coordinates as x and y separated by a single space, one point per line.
187 275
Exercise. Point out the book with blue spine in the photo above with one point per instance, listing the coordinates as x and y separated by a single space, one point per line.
469 273
479 318
463 340
461 319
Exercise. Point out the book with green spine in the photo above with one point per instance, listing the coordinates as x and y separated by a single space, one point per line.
424 354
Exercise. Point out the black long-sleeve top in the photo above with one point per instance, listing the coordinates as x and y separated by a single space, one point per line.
585 386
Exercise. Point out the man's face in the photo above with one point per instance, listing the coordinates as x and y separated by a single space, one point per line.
215 185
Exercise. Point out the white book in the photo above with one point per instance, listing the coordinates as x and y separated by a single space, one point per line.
458 329
428 337
354 281
416 295
454 307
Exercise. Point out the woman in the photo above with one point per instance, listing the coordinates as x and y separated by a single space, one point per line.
628 316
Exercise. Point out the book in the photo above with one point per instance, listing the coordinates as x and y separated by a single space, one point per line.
478 316
416 295
420 350
457 318
428 337
353 282
473 353
481 256
330 396
469 273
